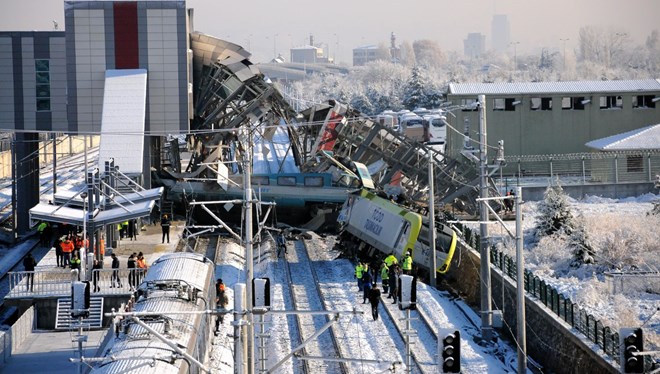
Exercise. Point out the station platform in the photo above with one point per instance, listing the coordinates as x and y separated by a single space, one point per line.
51 281
47 347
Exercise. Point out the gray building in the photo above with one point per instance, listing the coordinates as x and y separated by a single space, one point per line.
474 45
365 54
540 118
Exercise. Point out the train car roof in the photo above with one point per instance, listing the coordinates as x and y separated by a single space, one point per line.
191 268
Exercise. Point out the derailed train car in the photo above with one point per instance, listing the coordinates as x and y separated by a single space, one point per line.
176 282
384 226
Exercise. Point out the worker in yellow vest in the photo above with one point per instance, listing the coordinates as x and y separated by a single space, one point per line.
390 260
359 270
406 263
385 277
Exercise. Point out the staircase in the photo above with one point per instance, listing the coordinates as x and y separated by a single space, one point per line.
63 319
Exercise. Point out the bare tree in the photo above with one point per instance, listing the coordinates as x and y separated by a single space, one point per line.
428 53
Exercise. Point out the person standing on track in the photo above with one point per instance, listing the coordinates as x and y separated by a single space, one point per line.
374 300
359 269
165 225
385 277
221 301
393 278
406 263
366 285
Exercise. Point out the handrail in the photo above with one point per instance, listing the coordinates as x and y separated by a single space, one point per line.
57 282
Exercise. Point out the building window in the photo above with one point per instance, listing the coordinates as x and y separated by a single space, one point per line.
611 102
578 103
469 105
546 103
505 104
635 164
643 101
42 79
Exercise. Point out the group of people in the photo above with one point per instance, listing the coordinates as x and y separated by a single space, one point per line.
128 229
389 272
137 267
67 249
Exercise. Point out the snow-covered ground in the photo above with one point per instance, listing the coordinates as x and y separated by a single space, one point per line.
624 236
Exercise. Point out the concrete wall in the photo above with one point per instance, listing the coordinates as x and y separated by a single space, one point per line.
16 335
550 341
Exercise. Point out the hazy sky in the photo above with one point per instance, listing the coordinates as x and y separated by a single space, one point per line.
264 26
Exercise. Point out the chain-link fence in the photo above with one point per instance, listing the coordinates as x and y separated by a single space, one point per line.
583 168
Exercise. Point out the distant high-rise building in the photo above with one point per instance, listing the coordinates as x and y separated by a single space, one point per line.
501 32
474 45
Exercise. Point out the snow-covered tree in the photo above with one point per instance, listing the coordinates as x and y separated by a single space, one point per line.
554 213
580 245
556 219
413 93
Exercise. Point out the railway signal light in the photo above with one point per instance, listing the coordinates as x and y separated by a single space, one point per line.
631 342
451 351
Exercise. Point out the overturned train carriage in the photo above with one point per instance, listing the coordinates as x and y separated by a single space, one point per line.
382 227
171 300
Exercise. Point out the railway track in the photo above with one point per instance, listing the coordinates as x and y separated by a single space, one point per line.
300 273
423 359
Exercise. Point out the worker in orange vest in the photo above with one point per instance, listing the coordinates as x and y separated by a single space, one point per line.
67 249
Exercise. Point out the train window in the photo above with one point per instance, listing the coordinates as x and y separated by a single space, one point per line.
260 180
314 181
498 104
286 181
566 103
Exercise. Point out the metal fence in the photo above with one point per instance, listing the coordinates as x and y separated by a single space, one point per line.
584 168
636 281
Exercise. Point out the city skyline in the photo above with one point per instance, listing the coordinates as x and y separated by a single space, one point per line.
267 29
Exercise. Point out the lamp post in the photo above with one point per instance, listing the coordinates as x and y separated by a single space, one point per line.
564 40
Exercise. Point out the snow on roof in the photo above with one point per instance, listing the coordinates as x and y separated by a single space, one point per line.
575 87
645 138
